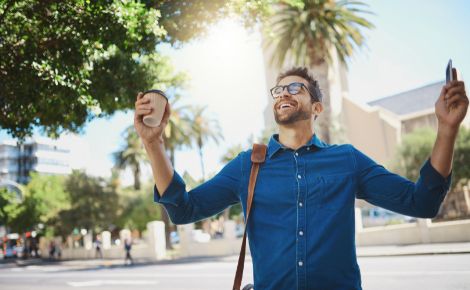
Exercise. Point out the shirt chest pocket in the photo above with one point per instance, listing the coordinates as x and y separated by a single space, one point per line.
337 191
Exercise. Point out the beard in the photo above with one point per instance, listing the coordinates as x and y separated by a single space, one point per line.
291 117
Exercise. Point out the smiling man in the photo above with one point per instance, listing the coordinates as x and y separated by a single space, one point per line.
301 229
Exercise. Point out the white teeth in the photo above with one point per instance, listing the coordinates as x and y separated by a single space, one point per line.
286 106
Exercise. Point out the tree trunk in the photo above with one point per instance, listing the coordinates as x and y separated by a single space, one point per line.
172 157
202 164
226 214
137 177
320 72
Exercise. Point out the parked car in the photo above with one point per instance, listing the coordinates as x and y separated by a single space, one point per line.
10 252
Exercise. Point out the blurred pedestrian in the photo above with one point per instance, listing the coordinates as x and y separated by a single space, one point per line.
127 248
98 252
52 250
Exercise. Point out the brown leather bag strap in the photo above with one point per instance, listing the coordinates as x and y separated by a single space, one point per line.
258 156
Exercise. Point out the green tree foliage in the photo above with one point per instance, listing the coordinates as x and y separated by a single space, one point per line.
48 194
414 150
461 171
131 155
417 146
63 63
9 207
93 204
58 57
138 208
45 197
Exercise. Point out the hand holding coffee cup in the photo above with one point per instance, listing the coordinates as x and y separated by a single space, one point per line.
152 111
158 102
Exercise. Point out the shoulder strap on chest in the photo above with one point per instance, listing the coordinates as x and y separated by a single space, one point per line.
258 156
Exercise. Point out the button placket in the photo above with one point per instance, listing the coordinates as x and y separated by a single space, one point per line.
301 222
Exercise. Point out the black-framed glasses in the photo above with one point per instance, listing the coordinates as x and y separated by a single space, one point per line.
292 88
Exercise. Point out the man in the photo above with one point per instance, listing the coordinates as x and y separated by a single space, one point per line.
301 228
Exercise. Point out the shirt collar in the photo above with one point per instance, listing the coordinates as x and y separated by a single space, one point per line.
274 145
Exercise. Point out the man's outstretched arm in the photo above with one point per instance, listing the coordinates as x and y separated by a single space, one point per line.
451 108
182 206
423 198
152 138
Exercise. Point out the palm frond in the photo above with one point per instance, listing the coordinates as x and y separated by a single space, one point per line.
305 33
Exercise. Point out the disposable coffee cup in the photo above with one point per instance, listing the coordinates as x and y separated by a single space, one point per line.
158 102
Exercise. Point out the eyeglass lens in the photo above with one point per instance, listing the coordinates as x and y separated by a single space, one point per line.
292 88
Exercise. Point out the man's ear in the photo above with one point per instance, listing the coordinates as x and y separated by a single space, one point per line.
317 108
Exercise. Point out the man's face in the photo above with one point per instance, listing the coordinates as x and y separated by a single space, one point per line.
300 108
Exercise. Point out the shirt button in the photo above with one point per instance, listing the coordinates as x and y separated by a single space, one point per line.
296 154
301 263
301 233
299 177
301 204
308 148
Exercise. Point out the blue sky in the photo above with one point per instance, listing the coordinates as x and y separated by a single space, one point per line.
409 48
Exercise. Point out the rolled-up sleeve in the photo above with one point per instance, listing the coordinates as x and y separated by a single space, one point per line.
204 200
391 191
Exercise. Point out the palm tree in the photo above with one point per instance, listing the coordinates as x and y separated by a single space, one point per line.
231 153
132 155
204 129
178 130
308 32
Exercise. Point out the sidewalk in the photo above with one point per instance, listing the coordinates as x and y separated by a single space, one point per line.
368 251
417 249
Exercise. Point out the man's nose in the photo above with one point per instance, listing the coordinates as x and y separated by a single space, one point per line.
285 94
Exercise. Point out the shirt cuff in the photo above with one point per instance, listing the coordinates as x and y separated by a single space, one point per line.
432 178
174 194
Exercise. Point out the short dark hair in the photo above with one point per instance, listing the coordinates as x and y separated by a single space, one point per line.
313 87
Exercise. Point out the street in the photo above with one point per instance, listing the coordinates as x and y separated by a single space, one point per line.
450 272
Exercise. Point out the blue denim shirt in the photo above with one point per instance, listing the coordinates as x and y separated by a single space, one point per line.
301 229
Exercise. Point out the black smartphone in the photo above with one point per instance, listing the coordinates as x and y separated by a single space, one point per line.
449 76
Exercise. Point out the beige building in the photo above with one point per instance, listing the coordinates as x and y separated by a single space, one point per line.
376 128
